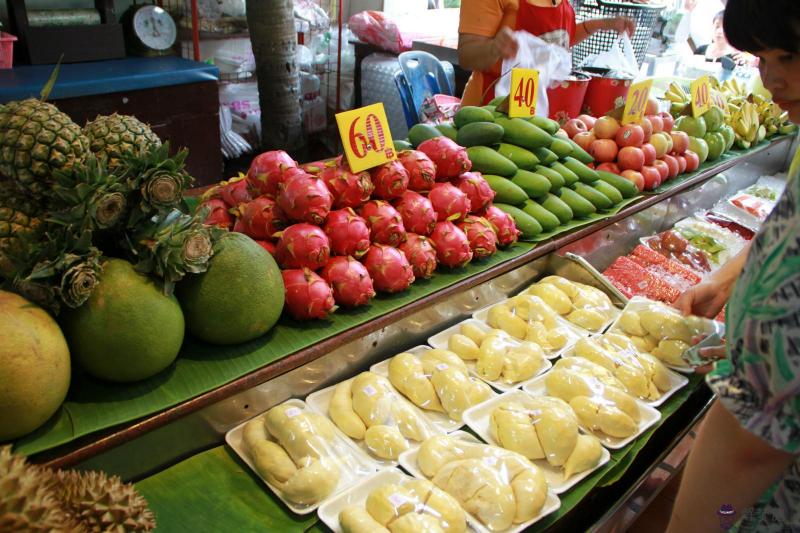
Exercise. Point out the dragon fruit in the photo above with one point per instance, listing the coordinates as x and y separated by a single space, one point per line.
390 179
218 214
421 254
452 245
350 281
269 169
260 218
481 235
451 160
303 246
476 188
347 232
421 170
503 224
349 189
388 268
268 246
449 202
385 223
417 213
308 296
305 198
235 191
318 166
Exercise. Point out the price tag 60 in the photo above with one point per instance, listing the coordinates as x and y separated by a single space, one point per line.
636 103
524 88
701 96
366 138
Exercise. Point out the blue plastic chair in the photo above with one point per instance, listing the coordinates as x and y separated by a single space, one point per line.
424 76
412 115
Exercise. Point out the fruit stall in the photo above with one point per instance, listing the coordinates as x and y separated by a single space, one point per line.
470 327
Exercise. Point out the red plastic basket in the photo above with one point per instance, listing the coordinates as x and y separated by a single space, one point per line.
7 50
565 100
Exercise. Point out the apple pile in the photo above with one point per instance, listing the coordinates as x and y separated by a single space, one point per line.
648 153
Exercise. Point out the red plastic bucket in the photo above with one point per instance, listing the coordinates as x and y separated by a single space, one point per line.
6 50
565 100
604 94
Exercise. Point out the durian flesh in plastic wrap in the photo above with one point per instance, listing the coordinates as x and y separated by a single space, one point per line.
295 431
511 426
464 346
500 360
625 366
415 523
455 390
389 502
597 413
671 351
356 519
552 296
315 480
385 442
372 398
501 317
584 456
341 411
407 374
475 333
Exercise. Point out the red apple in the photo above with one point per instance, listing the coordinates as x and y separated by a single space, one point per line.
631 158
683 163
663 169
609 167
574 127
692 160
680 142
634 177
652 106
649 153
584 139
604 150
647 126
630 135
588 120
657 122
668 121
674 167
606 128
652 178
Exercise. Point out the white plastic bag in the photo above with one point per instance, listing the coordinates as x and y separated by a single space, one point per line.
553 62
619 59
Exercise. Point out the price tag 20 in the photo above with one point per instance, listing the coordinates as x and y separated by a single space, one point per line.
524 89
636 103
701 96
365 136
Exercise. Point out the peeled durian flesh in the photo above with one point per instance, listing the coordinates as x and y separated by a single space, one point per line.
522 362
436 451
435 358
530 493
557 431
451 516
599 415
416 523
407 374
512 428
490 360
271 461
313 482
455 391
408 421
341 411
590 319
501 317
356 519
584 456
671 352
372 398
557 338
631 324
385 441
389 502
552 296
295 431
462 345
566 286
479 392
472 331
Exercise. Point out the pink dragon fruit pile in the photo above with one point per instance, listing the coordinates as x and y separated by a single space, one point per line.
341 236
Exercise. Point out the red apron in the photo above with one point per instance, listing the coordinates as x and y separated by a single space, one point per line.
553 24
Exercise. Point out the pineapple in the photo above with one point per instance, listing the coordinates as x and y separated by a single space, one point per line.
35 140
116 136
19 225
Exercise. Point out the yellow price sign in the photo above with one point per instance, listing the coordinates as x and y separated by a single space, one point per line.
636 103
701 96
365 136
524 88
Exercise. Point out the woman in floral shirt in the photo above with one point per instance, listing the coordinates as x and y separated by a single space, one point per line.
745 465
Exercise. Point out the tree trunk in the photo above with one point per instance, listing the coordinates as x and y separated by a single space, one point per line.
274 42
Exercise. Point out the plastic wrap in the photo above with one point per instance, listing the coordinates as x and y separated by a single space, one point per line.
672 272
368 410
299 454
582 305
392 501
633 279
620 59
726 216
673 245
501 489
374 27
719 244
662 331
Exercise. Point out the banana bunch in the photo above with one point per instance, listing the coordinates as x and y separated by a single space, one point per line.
291 448
774 119
678 98
438 380
407 507
734 89
498 487
746 124
367 408
545 428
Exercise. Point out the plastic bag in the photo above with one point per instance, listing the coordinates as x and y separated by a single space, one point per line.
553 62
439 108
584 306
619 59
376 28
312 14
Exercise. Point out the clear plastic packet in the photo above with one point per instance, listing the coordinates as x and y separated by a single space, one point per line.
391 500
510 493
662 331
582 305
543 429
718 243
301 456
673 245
368 410
733 219
492 354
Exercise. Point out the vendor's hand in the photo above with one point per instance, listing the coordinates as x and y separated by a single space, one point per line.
620 25
705 299
743 58
504 43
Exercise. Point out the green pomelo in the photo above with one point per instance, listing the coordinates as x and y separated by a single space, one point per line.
239 298
128 330
34 365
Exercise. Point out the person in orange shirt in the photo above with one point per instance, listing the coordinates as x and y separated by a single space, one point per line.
486 36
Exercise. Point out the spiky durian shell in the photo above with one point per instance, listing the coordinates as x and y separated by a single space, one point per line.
115 136
28 501
101 503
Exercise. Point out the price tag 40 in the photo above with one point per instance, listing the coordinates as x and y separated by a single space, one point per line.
365 136
701 96
524 89
636 103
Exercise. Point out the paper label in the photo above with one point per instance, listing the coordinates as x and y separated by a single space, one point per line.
701 96
365 136
441 366
369 390
636 102
293 412
397 500
524 89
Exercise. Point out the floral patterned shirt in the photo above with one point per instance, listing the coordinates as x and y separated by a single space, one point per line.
760 382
